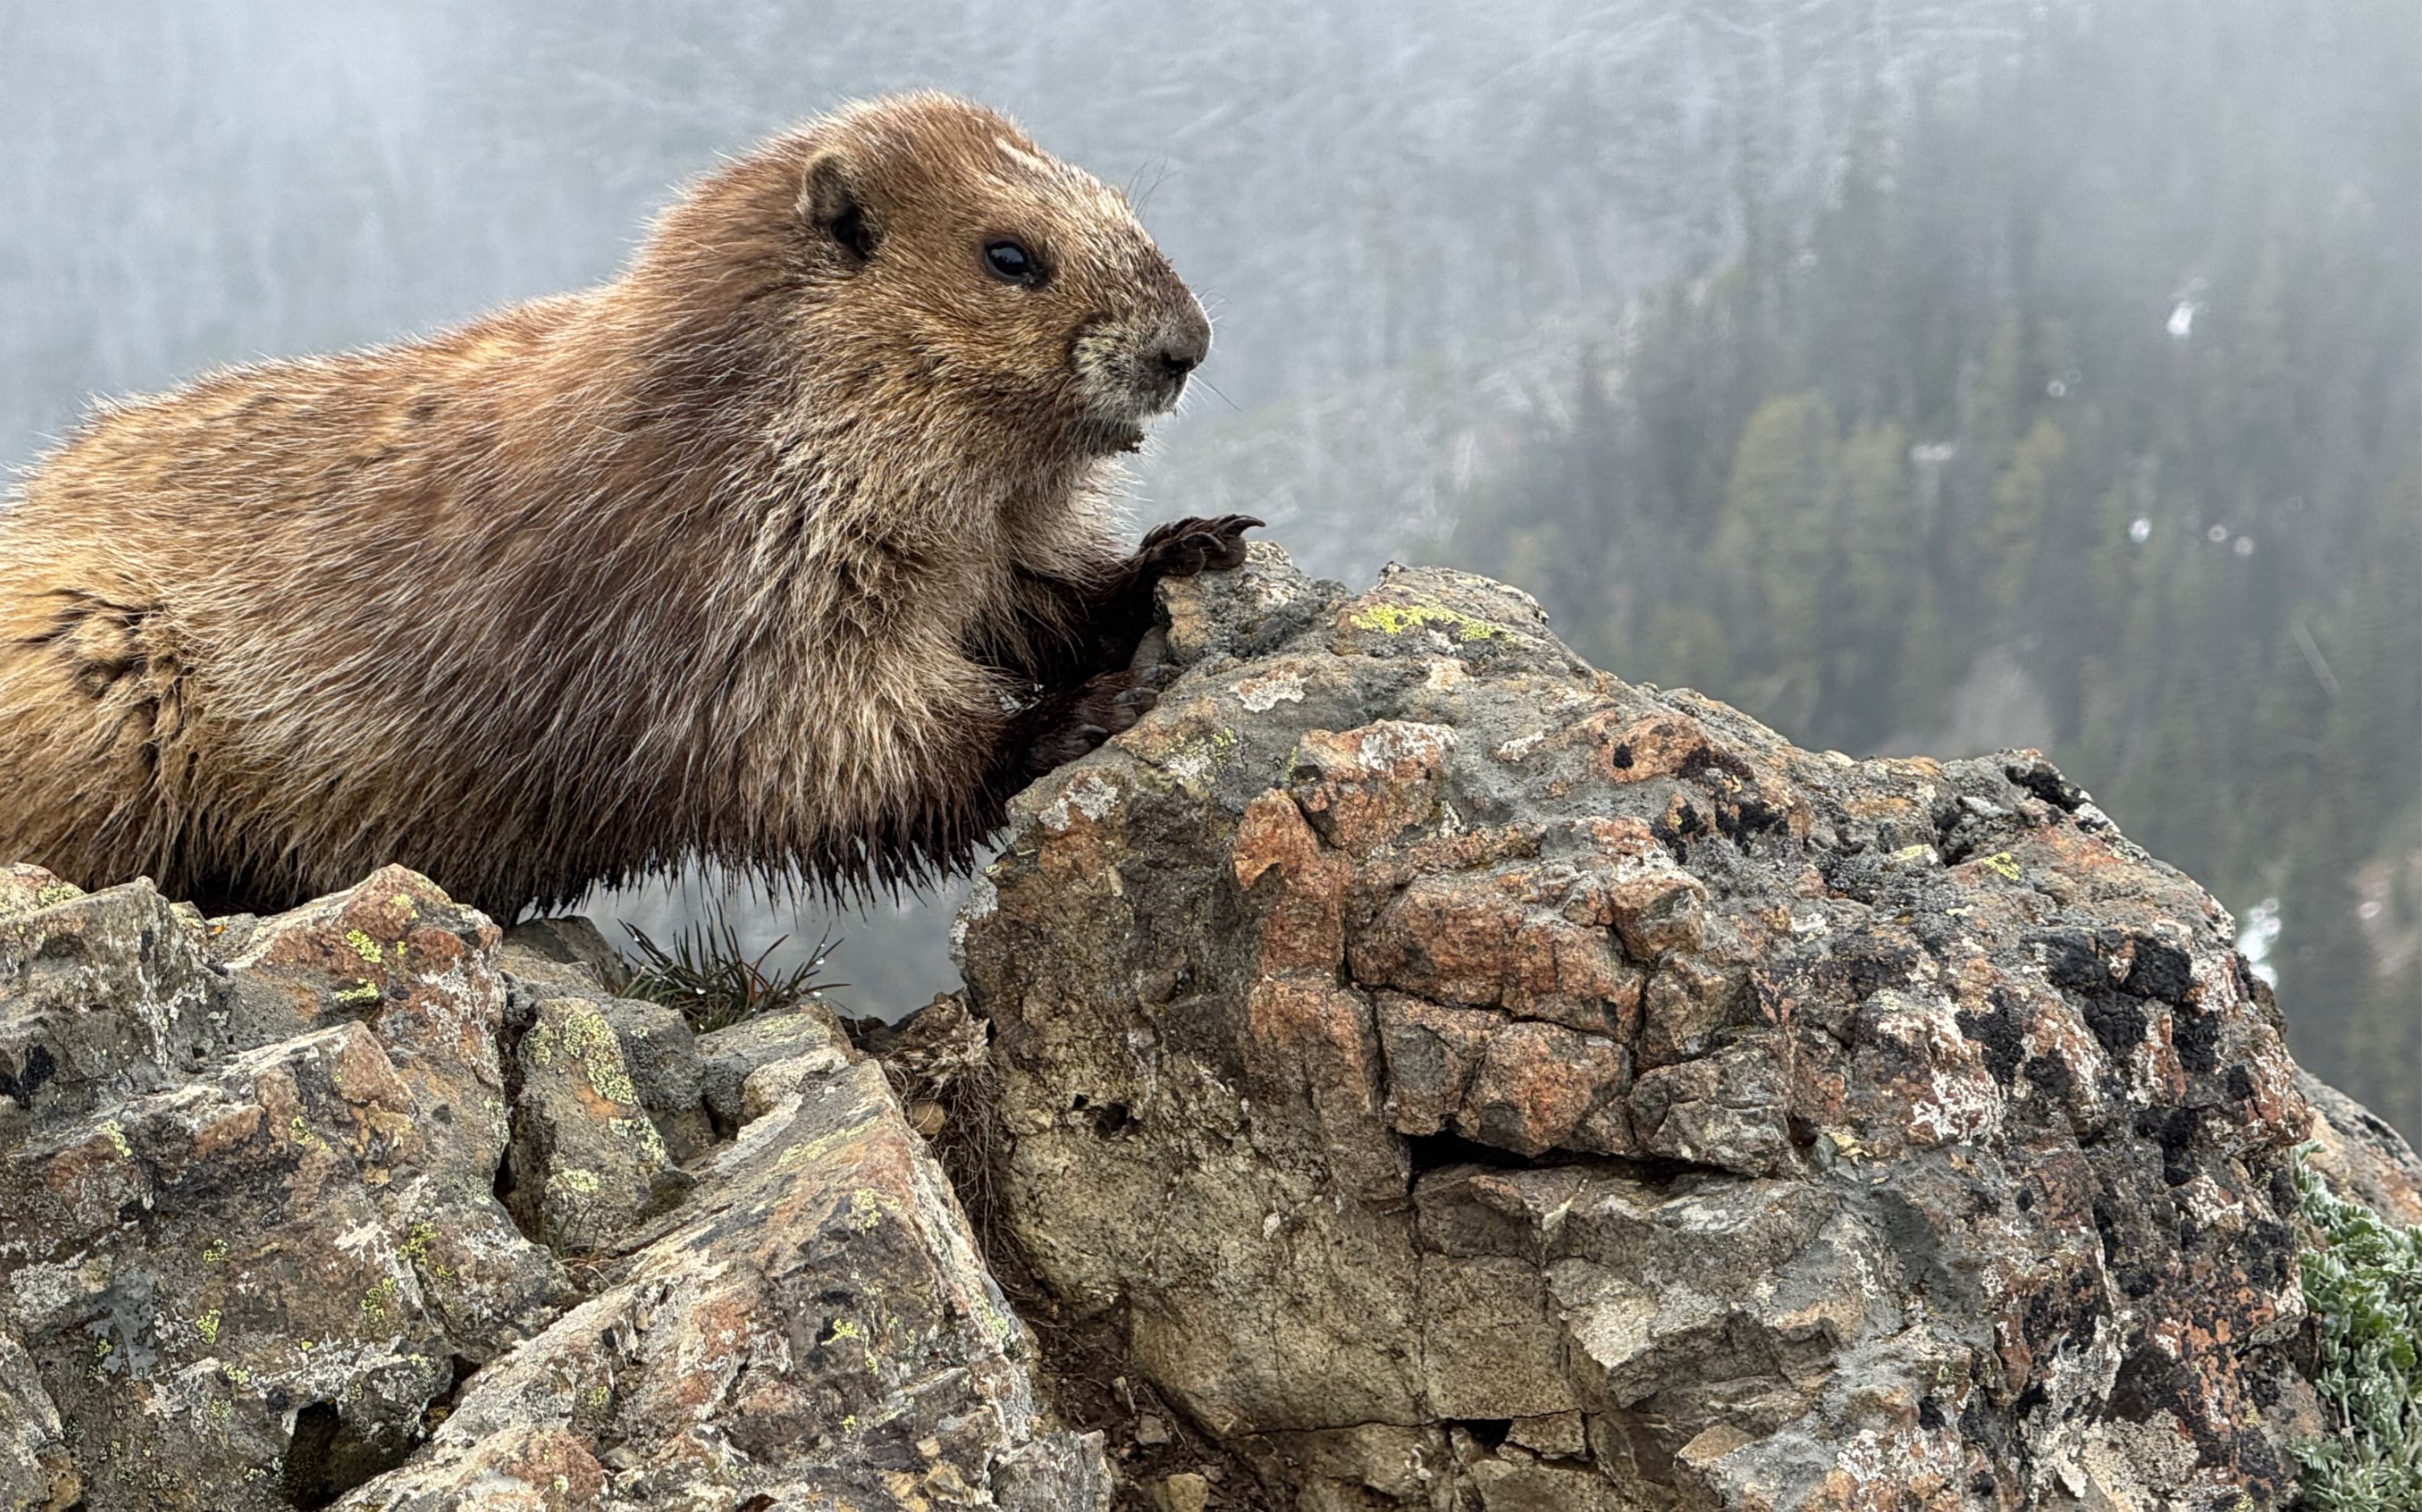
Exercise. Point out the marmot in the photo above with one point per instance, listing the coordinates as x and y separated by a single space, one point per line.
788 551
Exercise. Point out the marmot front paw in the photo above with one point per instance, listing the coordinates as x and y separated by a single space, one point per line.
1078 721
1182 549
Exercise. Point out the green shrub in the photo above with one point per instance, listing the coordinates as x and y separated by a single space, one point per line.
2364 1285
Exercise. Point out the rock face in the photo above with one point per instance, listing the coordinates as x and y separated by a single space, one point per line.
1459 1078
253 1251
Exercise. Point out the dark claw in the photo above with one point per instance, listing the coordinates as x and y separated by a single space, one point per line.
1182 549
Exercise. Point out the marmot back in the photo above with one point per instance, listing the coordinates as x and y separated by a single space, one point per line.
789 551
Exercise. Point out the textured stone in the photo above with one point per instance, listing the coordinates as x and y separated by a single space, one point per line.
727 1057
812 1327
567 950
586 1161
252 1250
660 1052
38 1469
102 996
253 1285
2363 1158
567 957
1452 1077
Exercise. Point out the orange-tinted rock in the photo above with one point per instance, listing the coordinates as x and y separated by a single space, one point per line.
1781 1131
1311 1043
1536 1083
1432 1052
1304 928
1362 788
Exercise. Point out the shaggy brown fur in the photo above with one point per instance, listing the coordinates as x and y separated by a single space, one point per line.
788 551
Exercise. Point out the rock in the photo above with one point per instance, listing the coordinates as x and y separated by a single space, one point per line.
729 1056
102 996
1594 1101
586 1161
812 1327
38 1471
2362 1157
1185 1491
661 1055
253 1255
567 952
252 1284
567 957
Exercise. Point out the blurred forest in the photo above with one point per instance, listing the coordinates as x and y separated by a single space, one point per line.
1921 375
1945 467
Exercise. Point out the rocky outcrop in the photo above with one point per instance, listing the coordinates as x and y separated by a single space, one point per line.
1410 1069
1451 1077
285 1205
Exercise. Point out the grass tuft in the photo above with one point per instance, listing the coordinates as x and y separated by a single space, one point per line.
715 983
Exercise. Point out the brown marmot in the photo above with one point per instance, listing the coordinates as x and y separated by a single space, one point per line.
788 551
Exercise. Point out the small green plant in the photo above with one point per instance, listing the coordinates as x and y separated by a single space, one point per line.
2364 1283
715 983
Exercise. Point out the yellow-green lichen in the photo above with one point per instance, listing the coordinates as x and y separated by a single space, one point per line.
414 1252
1194 762
55 893
583 1035
214 1253
865 1210
207 1326
1395 619
583 1182
365 947
641 1133
378 1299
360 995
302 1134
116 1133
2003 865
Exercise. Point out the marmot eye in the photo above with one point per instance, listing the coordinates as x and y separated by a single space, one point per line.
1010 261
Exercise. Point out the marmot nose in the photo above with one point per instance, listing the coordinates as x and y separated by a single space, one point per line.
1184 342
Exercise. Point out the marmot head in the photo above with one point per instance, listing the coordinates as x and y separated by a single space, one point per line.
923 246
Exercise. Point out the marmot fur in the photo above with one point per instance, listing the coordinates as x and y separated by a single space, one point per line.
788 551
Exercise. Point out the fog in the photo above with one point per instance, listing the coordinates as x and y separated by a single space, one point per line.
1918 376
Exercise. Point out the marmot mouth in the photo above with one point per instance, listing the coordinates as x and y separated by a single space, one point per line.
1106 437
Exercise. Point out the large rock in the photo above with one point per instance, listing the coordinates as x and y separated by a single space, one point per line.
812 1328
248 1289
1460 1079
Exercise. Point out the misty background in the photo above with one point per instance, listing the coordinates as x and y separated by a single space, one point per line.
1919 375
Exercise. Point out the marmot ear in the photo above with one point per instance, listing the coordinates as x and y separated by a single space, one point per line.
828 202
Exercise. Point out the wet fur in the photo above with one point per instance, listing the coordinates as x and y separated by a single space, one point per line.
769 554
